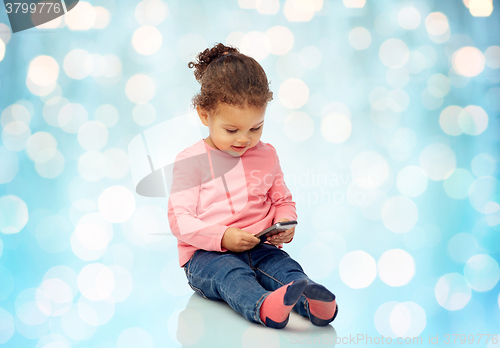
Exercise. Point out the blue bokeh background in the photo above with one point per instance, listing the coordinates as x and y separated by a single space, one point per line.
395 103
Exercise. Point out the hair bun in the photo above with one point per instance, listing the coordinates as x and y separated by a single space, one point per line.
204 58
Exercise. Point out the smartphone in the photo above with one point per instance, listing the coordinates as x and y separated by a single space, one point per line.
275 229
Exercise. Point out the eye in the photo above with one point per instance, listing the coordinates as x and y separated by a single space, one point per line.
235 130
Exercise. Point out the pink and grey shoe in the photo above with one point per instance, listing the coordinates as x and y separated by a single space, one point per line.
276 308
322 305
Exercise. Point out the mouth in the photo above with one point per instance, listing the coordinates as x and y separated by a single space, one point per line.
238 148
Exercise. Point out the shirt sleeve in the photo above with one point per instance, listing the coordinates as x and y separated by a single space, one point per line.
280 195
182 203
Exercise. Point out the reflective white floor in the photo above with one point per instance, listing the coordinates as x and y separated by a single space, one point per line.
205 323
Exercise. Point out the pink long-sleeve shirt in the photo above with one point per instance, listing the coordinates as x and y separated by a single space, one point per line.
212 191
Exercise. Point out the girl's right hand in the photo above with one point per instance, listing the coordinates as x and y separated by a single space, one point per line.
238 240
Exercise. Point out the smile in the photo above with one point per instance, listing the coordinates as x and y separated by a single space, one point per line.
238 149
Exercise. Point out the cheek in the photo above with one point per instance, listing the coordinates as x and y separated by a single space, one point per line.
256 137
223 137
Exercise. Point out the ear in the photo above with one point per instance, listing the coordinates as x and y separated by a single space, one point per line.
203 114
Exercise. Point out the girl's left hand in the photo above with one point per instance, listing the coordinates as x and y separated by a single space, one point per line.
282 237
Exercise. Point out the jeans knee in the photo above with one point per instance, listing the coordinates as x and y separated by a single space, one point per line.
235 272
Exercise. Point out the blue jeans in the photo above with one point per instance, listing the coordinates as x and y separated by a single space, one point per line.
245 279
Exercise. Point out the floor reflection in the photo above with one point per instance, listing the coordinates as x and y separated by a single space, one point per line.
205 323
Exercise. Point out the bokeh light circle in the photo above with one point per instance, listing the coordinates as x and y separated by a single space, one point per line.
96 282
103 17
17 112
396 267
140 88
482 272
440 83
394 319
71 117
54 297
453 291
27 308
299 11
394 53
255 44
448 120
360 38
91 236
15 135
438 161
409 18
482 191
43 71
407 319
357 269
51 168
468 61
492 56
281 40
39 142
147 40
116 204
14 214
473 120
293 93
151 12
82 17
336 128
436 23
78 64
411 181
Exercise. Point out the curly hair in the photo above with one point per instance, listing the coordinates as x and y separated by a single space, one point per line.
228 76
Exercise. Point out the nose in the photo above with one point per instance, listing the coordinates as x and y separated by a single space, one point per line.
243 139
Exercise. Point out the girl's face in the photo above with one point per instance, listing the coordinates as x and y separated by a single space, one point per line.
233 130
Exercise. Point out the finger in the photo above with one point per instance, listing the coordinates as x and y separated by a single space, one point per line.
284 234
249 237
